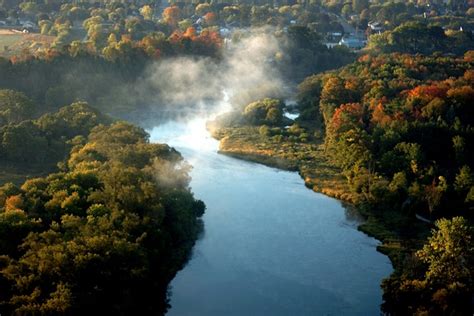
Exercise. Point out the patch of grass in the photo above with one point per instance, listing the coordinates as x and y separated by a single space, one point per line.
9 40
18 43
308 158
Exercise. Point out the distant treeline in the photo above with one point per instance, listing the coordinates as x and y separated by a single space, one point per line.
64 79
119 87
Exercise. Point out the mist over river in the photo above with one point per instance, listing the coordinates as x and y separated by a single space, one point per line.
270 245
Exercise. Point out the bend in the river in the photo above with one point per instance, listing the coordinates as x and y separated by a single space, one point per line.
270 246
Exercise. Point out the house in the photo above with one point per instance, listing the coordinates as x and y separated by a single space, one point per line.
354 17
375 27
198 28
225 32
199 21
331 45
333 37
352 42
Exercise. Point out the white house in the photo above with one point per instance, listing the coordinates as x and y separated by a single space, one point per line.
375 26
352 42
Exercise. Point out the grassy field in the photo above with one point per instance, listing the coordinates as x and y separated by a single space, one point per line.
14 43
9 40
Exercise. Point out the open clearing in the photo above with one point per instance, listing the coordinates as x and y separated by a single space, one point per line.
13 42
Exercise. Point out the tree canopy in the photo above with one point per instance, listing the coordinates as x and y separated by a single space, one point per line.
106 233
446 285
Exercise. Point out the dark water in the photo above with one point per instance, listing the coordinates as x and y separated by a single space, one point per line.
270 245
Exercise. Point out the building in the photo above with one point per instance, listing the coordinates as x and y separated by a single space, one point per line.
353 42
375 27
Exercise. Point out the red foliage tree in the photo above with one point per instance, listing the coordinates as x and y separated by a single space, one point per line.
347 116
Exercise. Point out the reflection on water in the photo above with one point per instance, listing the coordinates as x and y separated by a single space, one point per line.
271 246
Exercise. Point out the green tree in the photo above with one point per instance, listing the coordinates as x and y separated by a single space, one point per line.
106 234
30 8
147 12
202 9
15 107
359 5
449 253
266 111
464 180
445 287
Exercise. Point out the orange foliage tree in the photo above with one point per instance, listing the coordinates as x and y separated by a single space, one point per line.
14 202
210 18
190 33
171 15
347 116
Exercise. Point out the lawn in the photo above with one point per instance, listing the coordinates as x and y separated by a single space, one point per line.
9 40
17 43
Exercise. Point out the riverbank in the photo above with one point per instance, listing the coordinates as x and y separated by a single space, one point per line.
399 234
307 158
291 249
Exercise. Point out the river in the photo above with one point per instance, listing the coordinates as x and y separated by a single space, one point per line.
270 246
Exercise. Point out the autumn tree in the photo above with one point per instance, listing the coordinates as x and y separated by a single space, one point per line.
106 234
171 15
147 12
445 287
359 5
202 9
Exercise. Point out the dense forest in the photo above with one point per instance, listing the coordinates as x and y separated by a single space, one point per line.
401 125
400 129
105 233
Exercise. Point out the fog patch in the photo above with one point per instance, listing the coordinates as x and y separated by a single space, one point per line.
245 73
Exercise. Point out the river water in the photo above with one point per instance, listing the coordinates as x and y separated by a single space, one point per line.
270 245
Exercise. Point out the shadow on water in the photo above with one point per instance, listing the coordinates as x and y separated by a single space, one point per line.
166 298
353 216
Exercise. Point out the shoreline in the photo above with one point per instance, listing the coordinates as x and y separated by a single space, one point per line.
317 178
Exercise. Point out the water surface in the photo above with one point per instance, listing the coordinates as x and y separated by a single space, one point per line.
270 246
